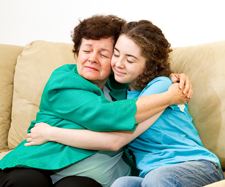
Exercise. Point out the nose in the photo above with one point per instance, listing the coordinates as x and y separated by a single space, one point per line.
119 63
93 57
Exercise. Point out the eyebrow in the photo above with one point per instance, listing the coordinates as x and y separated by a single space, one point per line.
102 49
126 54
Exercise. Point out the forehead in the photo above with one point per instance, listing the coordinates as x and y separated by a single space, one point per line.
128 46
103 43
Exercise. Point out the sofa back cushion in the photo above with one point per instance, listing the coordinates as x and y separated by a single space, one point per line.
205 66
8 56
34 66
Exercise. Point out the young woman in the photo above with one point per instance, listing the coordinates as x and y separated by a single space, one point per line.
170 152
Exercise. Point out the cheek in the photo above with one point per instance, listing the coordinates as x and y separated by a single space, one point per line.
80 62
113 61
80 59
135 72
107 67
79 66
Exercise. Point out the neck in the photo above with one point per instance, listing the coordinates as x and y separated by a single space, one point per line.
132 87
99 85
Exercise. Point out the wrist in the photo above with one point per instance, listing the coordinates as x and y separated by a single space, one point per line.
168 98
52 131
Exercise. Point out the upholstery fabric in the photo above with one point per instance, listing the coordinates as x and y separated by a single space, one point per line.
8 56
34 67
204 64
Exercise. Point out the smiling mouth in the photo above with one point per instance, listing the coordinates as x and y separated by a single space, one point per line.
118 72
91 68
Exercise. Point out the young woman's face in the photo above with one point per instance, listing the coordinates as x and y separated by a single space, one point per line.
127 61
94 60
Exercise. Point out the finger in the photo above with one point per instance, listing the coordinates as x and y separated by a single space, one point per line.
187 86
181 85
29 139
190 94
174 77
29 144
37 124
185 83
28 135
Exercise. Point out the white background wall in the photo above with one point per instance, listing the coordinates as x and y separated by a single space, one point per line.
184 22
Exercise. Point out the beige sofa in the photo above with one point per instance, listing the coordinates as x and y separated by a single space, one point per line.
25 70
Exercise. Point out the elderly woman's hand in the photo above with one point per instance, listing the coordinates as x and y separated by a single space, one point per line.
184 83
39 134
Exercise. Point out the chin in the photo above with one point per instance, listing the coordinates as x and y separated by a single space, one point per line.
120 80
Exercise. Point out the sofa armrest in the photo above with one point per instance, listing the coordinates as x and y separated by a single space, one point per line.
8 58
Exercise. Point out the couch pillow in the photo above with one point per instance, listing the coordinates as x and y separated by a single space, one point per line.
34 66
205 66
8 56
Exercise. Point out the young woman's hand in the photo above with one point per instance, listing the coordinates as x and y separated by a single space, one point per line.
39 134
176 94
184 83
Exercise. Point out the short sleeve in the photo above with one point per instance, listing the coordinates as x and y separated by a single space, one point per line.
156 86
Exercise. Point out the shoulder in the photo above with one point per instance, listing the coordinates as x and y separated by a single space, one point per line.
157 85
161 80
65 68
67 77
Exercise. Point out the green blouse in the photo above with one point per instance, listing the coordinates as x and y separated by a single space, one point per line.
70 101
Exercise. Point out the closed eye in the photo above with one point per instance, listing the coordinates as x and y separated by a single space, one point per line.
129 61
104 56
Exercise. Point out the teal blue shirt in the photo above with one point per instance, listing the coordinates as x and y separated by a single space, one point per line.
70 101
172 139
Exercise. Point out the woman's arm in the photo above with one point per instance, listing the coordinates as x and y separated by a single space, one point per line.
88 103
157 102
149 105
86 139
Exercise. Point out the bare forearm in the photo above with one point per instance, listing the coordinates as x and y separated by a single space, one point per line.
109 141
84 139
149 105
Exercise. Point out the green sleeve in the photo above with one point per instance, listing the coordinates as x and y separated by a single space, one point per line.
76 99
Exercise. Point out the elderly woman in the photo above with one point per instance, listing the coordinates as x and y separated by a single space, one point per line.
75 98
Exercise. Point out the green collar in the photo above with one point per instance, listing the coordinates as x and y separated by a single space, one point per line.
118 91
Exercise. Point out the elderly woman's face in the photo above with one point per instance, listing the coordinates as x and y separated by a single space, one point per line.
94 60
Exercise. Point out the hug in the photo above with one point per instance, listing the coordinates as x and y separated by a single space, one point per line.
120 96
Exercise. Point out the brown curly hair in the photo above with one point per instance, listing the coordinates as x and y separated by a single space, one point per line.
95 28
154 47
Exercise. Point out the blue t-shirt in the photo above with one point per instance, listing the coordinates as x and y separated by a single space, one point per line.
172 139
